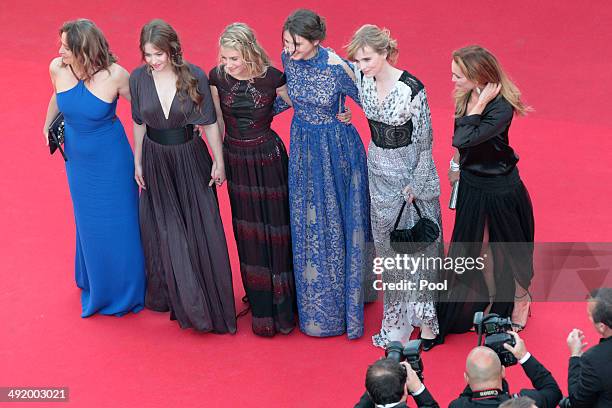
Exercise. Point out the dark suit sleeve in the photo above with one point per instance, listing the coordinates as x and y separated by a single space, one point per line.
583 384
365 401
547 393
425 400
473 130
457 403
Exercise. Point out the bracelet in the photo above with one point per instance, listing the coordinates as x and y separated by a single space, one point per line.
454 166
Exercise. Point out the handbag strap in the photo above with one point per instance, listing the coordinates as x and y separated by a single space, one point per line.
62 152
399 216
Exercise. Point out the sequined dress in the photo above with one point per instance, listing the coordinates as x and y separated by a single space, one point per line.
256 166
403 161
328 196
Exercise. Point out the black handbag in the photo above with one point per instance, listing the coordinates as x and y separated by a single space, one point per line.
56 135
415 239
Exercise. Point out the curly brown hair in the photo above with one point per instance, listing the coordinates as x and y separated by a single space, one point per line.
88 46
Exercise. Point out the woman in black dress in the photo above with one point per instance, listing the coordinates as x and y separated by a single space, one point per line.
187 263
493 204
244 88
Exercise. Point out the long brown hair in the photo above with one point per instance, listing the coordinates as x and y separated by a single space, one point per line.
240 37
163 37
88 46
481 67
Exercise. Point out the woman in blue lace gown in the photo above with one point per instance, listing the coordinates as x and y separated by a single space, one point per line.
328 186
109 267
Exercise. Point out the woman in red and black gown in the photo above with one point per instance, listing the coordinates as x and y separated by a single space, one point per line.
244 87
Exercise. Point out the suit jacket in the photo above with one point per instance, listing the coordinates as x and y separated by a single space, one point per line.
423 400
546 393
590 377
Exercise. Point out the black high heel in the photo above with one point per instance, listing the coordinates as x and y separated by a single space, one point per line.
428 344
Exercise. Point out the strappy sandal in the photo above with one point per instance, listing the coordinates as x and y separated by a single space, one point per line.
517 327
244 312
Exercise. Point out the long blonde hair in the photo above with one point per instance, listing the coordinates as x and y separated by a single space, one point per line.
88 45
379 39
240 37
481 67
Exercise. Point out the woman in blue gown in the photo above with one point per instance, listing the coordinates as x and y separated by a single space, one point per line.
328 186
109 266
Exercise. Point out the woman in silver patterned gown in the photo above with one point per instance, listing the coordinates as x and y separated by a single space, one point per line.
400 167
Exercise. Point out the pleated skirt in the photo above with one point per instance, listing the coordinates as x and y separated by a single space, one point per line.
188 268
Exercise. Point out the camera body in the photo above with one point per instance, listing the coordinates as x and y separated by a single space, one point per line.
410 353
494 328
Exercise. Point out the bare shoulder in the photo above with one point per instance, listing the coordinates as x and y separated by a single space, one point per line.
55 66
118 72
334 59
119 75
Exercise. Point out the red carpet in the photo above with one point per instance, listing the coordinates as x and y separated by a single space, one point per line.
559 54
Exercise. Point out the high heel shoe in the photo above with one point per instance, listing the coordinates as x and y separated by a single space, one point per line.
521 314
428 344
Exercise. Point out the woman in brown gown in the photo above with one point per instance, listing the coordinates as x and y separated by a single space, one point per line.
187 262
244 88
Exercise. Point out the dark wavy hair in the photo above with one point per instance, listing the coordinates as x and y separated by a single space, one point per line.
306 24
88 46
163 37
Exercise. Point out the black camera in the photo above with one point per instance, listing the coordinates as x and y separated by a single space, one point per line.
494 328
411 353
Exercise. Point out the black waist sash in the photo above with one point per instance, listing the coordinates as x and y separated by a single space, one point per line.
389 136
170 136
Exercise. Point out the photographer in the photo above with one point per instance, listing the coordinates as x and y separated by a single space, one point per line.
388 384
485 374
590 372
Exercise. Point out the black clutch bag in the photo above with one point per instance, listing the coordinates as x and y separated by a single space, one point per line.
415 239
56 135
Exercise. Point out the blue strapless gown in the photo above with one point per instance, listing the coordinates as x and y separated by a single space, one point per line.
109 265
